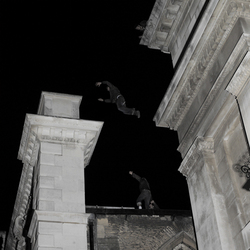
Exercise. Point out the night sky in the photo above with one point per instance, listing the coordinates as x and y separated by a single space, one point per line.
65 47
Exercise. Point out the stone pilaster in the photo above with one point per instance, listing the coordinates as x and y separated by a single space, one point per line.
55 148
207 199
55 230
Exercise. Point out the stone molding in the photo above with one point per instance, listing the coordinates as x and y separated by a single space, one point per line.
20 208
58 130
38 128
241 77
44 128
246 233
180 241
70 108
173 111
241 45
162 23
29 145
202 147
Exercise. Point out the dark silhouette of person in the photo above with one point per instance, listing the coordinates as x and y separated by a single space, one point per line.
145 193
117 97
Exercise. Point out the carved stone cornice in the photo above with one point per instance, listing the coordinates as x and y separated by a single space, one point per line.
29 145
164 18
235 56
60 130
175 106
201 147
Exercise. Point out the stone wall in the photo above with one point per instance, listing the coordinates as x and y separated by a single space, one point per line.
141 229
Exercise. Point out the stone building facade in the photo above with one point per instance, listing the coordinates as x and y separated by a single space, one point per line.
207 103
50 211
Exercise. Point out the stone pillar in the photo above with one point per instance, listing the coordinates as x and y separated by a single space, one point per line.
206 195
59 146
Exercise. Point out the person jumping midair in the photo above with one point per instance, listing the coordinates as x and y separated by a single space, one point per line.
117 97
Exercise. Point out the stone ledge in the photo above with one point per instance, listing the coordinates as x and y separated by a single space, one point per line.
149 212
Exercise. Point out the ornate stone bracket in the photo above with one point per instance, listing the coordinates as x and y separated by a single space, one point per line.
200 148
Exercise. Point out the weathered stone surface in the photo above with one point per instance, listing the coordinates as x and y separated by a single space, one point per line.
138 231
177 21
54 151
61 105
207 103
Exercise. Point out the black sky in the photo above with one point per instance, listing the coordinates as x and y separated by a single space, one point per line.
66 47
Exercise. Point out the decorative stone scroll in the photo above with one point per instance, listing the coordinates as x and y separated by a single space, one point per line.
243 166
